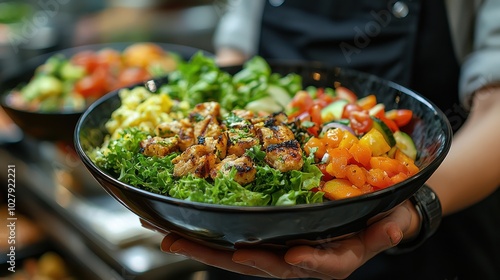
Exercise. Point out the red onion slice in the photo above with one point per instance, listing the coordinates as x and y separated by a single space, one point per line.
337 125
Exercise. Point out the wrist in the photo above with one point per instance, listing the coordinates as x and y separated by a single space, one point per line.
229 56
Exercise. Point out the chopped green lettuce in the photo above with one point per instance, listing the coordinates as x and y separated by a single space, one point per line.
122 158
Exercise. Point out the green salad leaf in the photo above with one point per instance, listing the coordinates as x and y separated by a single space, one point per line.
254 87
122 158
201 80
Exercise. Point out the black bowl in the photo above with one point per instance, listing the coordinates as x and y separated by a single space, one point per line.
59 125
232 227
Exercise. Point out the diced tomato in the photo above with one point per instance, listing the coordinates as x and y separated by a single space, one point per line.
345 93
94 85
301 101
315 113
317 144
87 59
406 161
378 178
389 165
133 75
333 137
339 159
400 116
110 59
360 121
348 140
340 188
349 108
356 175
400 177
326 176
366 188
367 102
314 130
142 54
323 99
355 165
390 123
361 154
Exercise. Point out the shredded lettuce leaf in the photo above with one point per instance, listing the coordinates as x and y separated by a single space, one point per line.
201 80
122 158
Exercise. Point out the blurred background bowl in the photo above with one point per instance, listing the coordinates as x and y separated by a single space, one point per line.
54 126
232 227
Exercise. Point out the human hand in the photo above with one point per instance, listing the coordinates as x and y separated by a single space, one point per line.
334 260
230 57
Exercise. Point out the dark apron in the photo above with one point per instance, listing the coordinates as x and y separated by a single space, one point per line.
373 37
386 38
357 34
370 39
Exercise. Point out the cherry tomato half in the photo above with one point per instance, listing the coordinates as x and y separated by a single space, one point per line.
347 94
87 59
361 121
400 116
349 108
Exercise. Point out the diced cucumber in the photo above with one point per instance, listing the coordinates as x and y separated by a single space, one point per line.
279 94
333 111
379 125
376 109
267 104
71 71
405 143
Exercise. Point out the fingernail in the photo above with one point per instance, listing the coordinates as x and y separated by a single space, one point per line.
396 238
243 261
178 250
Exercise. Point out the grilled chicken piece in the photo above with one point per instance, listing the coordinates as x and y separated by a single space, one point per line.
210 147
218 145
197 160
285 156
240 140
245 170
248 116
244 114
203 110
181 128
242 134
208 127
272 133
279 118
159 146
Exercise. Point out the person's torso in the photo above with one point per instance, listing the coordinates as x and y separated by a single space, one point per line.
407 42
398 40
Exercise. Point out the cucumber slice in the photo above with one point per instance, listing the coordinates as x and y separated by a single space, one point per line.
376 109
379 125
405 143
333 111
266 104
280 95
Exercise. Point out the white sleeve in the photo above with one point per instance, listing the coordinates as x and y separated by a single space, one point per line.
239 26
482 66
